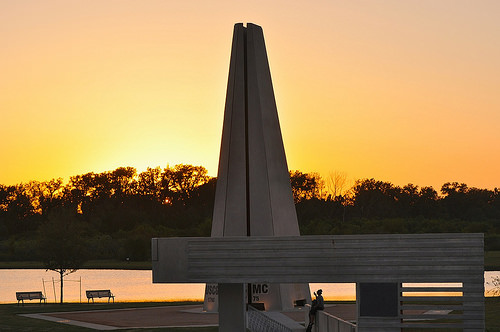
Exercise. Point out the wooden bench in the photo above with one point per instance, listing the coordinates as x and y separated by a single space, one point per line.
91 294
21 296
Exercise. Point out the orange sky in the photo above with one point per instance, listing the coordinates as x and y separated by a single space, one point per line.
402 91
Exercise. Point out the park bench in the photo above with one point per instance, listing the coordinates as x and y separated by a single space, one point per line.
21 296
91 294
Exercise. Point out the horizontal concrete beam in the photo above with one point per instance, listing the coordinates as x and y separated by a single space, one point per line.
297 259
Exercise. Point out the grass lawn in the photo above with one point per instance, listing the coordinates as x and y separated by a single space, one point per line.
11 321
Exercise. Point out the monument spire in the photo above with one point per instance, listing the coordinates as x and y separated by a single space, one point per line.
253 195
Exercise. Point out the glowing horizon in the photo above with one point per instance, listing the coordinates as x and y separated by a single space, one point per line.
404 92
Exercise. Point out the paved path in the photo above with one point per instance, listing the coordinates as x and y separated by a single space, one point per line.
164 316
171 316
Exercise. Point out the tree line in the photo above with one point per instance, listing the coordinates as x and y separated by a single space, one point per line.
114 215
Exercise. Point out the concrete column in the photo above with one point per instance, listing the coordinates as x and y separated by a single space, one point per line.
232 308
378 307
474 305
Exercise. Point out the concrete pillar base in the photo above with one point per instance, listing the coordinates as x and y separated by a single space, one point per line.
232 308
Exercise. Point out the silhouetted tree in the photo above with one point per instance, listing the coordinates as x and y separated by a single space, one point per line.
120 209
427 204
61 243
306 186
178 183
45 195
122 181
20 210
337 184
149 183
6 228
375 199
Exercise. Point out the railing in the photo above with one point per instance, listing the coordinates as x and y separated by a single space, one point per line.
257 321
329 323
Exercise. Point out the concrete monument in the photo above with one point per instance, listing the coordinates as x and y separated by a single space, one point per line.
255 237
253 195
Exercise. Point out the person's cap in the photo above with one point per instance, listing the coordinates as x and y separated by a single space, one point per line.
320 291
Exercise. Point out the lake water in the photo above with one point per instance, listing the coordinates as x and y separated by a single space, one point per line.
134 285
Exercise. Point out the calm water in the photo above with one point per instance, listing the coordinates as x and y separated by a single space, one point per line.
133 285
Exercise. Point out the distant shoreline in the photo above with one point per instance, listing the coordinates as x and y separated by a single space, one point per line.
491 263
92 265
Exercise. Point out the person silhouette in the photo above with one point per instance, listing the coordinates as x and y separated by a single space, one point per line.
317 304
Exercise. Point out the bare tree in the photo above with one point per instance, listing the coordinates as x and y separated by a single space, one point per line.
340 189
337 183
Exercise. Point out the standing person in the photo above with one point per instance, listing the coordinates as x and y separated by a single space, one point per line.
317 304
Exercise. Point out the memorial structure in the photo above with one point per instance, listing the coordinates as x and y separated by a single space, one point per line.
256 254
253 195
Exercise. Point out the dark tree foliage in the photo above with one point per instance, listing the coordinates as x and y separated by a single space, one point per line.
306 186
462 202
179 184
121 210
375 198
381 207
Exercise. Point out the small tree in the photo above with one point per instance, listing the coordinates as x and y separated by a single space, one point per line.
61 243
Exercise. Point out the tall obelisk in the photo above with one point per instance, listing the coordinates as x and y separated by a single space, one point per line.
253 195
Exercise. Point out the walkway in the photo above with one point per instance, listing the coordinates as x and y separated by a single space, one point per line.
164 316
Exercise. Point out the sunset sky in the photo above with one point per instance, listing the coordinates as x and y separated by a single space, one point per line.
406 91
